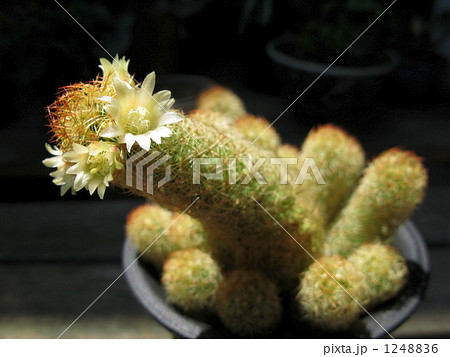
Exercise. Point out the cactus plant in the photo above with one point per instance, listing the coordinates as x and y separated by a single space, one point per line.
288 151
222 100
190 279
392 186
258 130
340 159
239 219
247 302
153 231
330 306
372 274
380 260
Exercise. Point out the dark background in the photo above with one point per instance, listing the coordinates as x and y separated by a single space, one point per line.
58 253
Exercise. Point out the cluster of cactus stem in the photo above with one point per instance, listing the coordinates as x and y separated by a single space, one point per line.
349 229
234 245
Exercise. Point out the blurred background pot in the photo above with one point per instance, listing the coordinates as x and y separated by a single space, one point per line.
343 88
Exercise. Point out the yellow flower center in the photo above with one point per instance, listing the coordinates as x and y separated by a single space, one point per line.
139 121
99 164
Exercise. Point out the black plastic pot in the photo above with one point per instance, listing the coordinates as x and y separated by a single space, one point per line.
341 89
147 289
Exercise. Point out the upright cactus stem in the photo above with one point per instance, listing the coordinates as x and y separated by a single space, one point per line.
248 304
190 279
384 269
288 151
340 160
372 274
326 304
392 186
152 231
219 99
258 131
228 212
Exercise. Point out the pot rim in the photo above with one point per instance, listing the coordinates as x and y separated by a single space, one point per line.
330 70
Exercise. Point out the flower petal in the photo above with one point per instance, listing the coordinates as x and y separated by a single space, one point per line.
129 139
123 89
158 133
75 169
58 180
169 104
144 141
163 131
66 187
145 98
101 190
73 156
52 150
112 132
93 184
58 174
107 99
52 161
162 96
155 137
149 83
105 66
85 179
78 183
169 118
80 148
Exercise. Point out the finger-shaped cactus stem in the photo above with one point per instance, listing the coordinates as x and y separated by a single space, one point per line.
340 160
392 186
190 279
222 100
384 269
258 131
228 212
157 232
248 304
325 303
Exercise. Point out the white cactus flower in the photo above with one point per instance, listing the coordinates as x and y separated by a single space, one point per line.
117 68
60 176
93 166
140 115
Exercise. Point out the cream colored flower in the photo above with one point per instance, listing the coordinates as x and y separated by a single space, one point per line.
118 68
94 165
139 116
60 176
